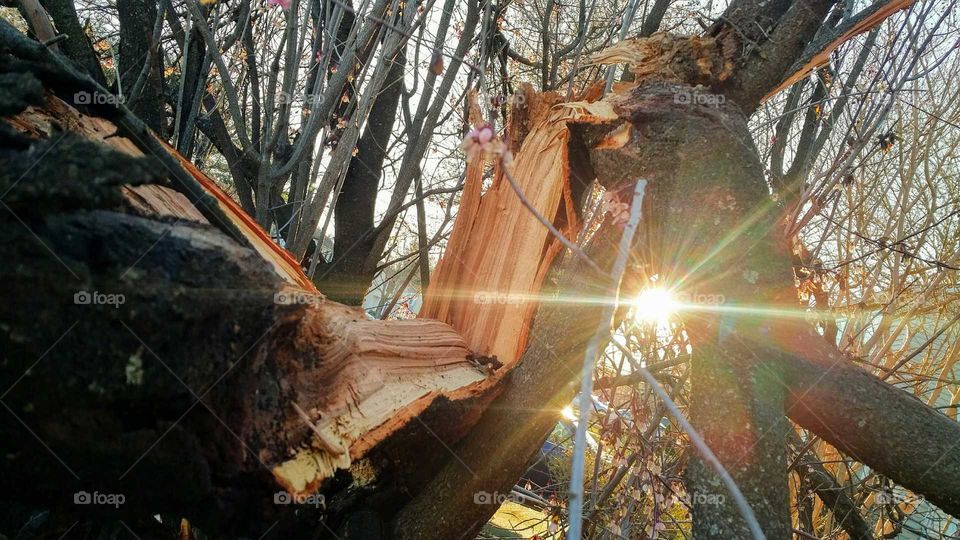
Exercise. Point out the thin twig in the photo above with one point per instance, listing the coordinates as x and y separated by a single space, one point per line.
589 361
325 441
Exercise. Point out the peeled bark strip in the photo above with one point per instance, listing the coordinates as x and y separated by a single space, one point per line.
819 53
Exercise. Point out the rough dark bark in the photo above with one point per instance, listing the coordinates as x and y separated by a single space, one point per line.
765 38
77 46
137 19
345 277
739 400
81 415
891 431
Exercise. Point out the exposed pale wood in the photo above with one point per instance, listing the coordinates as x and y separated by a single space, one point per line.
486 287
151 200
668 57
361 381
488 282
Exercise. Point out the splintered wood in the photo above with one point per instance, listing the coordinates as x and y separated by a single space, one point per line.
363 380
685 59
348 383
488 282
383 375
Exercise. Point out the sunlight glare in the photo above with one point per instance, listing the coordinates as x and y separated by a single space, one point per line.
654 306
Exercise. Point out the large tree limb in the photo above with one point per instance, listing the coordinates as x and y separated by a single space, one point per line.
891 431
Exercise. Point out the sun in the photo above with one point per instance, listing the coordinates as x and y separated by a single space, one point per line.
654 305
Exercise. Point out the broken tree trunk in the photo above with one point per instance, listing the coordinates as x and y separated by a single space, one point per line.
148 354
216 351
287 387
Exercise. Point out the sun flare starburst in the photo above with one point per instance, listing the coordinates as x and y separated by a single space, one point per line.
654 305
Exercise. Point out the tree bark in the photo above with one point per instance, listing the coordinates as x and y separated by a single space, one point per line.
77 46
873 422
738 403
345 277
137 19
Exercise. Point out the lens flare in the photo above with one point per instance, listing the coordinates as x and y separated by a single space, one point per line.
654 305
